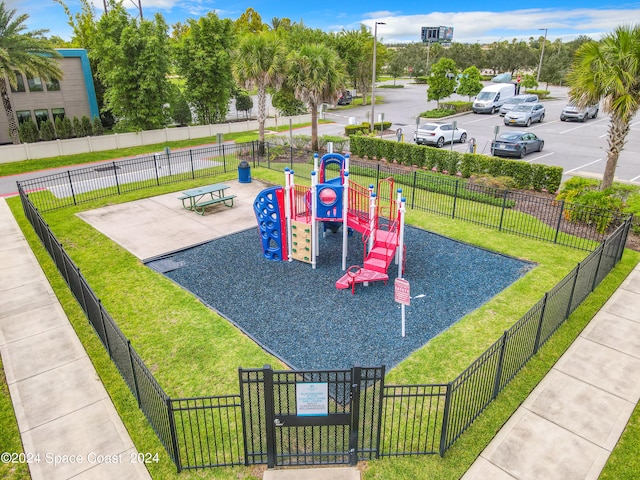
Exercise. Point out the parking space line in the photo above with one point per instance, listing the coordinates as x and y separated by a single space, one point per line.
635 178
541 156
582 166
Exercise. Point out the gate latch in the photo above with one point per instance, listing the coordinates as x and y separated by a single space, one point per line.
278 422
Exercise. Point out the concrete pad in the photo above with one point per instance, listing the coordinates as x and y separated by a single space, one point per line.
624 303
615 332
530 447
40 353
84 436
12 240
55 393
482 469
587 411
603 367
328 473
155 226
27 297
26 323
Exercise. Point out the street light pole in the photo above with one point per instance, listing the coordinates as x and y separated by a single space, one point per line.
373 75
541 54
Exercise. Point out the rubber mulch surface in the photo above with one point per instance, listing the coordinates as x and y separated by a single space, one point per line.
297 314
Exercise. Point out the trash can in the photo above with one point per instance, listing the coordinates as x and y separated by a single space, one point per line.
244 172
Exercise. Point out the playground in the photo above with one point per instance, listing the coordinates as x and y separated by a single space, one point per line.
299 311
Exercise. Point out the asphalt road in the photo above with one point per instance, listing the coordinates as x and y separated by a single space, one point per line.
579 148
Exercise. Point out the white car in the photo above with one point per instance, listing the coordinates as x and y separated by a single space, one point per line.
439 134
573 112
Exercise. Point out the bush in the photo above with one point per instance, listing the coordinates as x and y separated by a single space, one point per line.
28 132
87 129
47 132
457 106
77 127
437 113
542 94
64 128
98 129
422 80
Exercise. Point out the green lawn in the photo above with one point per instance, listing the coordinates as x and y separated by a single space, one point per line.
155 314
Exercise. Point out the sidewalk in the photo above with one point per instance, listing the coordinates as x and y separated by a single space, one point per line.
566 429
64 414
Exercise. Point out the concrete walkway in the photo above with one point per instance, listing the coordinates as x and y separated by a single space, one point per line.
565 430
64 414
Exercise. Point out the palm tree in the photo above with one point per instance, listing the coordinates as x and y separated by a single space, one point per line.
22 52
609 71
316 75
259 63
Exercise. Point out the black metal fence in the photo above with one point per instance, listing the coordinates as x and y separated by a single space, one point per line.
411 420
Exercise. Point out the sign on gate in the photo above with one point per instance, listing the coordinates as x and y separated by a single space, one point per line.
312 399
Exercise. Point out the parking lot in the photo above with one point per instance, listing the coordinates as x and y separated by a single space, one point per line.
579 148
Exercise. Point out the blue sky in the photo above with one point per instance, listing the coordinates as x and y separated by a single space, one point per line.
472 21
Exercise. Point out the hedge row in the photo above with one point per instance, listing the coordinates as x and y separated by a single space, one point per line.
365 127
525 175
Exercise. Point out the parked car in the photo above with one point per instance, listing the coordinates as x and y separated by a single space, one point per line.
511 102
438 134
525 114
516 144
573 112
345 98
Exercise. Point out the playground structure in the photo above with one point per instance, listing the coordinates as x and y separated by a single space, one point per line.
290 219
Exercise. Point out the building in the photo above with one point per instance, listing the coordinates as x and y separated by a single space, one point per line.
47 99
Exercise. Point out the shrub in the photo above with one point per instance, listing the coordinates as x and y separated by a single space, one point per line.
47 132
457 106
501 183
77 127
422 80
437 113
28 132
98 129
87 129
542 94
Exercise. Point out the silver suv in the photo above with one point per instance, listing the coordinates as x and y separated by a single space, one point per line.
573 112
511 102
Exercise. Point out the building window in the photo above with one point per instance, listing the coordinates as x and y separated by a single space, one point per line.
35 84
20 84
57 113
23 116
42 115
53 85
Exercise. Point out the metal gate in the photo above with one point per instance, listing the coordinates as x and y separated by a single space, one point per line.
314 417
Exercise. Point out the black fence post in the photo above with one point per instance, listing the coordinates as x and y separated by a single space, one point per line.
573 289
133 372
356 377
115 174
269 416
224 158
291 157
504 207
536 345
104 329
595 277
445 420
155 166
559 223
174 434
413 189
496 384
455 200
73 194
193 170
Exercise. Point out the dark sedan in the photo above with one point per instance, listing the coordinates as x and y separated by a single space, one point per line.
516 144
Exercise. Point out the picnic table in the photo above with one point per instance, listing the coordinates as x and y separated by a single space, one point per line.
197 199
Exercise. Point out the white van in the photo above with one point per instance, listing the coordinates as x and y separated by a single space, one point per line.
491 97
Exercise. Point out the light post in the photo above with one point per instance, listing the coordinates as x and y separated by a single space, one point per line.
373 75
541 54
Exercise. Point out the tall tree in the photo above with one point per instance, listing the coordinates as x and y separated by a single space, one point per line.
442 80
134 63
259 63
609 71
23 52
316 74
203 59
